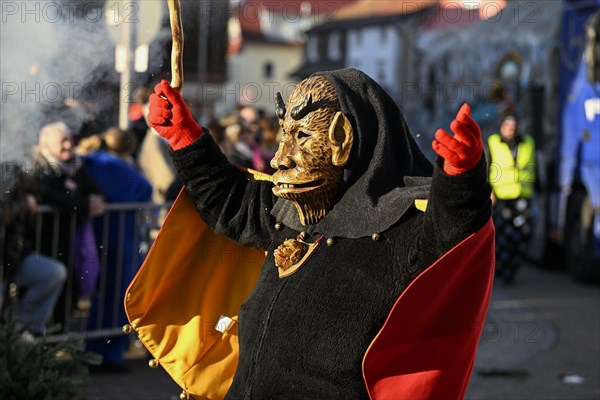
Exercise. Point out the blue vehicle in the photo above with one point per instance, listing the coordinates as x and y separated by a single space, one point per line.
547 64
574 218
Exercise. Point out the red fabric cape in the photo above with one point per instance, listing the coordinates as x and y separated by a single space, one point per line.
426 348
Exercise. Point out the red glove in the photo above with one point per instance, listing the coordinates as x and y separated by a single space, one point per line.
171 117
460 152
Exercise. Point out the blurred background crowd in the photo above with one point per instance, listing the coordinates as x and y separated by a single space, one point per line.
104 196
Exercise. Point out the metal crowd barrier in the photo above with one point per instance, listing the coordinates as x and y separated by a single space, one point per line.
147 219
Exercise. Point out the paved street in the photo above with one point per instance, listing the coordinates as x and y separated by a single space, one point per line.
540 333
544 329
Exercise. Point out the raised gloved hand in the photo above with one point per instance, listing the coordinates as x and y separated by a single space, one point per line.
460 152
171 118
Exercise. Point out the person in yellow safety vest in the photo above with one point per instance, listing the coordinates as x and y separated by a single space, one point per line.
512 174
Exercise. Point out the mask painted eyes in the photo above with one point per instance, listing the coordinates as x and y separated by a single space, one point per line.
303 135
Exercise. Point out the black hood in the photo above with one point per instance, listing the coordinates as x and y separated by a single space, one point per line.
386 170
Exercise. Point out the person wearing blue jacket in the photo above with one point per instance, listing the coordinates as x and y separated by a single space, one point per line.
114 173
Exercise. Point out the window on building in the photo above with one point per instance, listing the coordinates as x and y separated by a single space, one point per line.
334 46
381 77
383 33
312 49
286 25
268 70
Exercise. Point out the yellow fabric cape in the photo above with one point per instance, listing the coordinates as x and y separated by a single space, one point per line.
190 278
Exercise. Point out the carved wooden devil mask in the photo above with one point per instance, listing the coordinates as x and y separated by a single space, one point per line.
314 148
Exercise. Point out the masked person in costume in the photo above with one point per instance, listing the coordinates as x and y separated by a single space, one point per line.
330 315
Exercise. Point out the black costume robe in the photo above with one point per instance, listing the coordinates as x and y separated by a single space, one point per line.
305 336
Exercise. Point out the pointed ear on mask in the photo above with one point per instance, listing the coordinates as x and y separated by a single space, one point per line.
341 138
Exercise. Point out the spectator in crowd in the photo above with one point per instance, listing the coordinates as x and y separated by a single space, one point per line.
245 151
247 138
110 166
248 115
269 143
40 279
512 174
137 117
64 183
217 131
232 136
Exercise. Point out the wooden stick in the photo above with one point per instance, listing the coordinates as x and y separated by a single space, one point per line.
177 49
